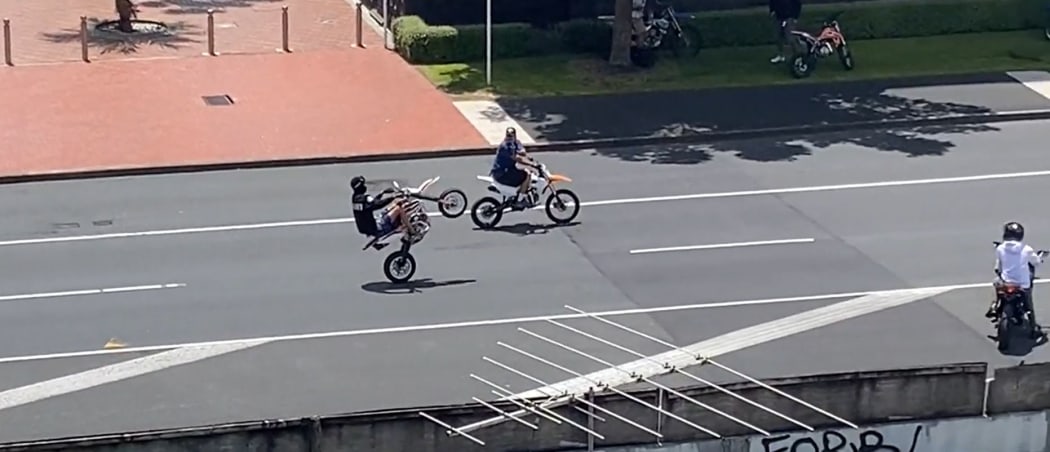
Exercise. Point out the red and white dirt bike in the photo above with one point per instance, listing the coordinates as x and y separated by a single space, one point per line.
809 48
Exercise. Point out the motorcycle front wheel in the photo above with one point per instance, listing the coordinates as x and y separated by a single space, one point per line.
452 203
486 213
1046 33
562 200
688 44
399 267
845 57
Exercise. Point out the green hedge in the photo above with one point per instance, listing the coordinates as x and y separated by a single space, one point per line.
420 43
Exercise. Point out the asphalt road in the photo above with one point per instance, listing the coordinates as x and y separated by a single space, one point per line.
261 282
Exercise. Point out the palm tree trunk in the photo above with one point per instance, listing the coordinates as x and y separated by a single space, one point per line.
125 10
620 54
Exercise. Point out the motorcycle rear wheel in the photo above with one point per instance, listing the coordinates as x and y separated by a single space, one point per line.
802 65
395 265
1002 333
488 206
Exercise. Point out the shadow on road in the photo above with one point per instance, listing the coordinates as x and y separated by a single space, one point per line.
1021 344
523 229
415 286
684 113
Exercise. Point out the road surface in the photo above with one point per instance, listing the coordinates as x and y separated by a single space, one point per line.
310 326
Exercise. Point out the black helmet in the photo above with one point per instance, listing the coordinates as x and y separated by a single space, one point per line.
1013 231
357 184
511 133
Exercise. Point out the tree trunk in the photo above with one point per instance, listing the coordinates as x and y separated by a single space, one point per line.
125 11
620 55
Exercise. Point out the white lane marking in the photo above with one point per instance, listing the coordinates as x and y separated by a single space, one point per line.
480 323
225 228
115 372
721 245
732 194
491 120
83 292
1038 81
741 339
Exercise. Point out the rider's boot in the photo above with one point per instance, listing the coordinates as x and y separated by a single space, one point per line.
379 246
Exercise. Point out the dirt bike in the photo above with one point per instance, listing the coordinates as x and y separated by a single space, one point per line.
667 29
488 211
1011 311
400 266
829 40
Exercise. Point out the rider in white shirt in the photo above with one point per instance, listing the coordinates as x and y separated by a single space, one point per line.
1012 260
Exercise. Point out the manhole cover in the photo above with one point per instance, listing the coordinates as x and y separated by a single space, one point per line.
138 28
217 101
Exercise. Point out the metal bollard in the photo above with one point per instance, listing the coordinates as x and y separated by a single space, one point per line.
360 24
7 42
211 31
284 29
84 39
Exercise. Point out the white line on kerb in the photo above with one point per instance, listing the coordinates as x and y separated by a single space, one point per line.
83 292
721 245
481 323
610 202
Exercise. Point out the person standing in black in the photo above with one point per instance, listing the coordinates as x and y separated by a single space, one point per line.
786 13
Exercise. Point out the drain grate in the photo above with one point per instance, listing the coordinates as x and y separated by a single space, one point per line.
218 101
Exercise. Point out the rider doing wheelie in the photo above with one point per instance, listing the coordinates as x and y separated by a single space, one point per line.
505 170
1013 258
365 205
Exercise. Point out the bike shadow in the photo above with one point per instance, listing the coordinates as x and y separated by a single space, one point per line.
523 229
414 286
1021 344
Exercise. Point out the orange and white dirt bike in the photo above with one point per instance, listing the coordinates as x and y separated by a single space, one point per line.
562 205
809 48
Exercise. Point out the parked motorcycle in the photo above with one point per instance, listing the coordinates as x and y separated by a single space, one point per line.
400 266
666 30
488 211
1012 313
830 40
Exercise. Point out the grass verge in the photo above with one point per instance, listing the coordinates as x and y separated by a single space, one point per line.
744 66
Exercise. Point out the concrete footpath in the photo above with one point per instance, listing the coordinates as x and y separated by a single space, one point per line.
744 112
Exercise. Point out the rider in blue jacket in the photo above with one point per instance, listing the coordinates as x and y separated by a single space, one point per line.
505 170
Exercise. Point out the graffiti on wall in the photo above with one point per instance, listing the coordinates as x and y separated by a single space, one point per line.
865 440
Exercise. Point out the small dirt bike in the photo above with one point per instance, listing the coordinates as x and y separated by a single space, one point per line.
811 48
400 266
666 29
1012 312
488 211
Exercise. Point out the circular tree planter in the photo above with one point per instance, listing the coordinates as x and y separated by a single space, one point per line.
140 28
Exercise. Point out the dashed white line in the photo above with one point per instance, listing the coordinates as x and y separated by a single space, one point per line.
722 245
610 202
84 292
483 323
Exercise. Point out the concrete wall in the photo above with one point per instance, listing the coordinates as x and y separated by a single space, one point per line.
1015 432
865 398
